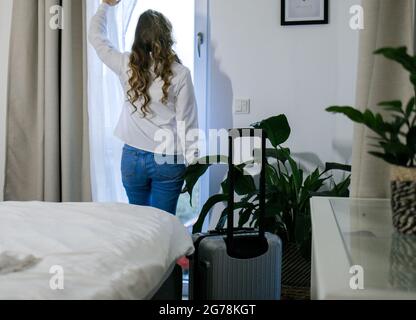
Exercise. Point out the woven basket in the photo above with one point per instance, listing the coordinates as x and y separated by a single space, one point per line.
296 274
403 199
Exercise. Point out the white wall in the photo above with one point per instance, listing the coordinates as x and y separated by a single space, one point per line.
298 71
5 20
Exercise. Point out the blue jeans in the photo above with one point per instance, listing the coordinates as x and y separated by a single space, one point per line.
149 183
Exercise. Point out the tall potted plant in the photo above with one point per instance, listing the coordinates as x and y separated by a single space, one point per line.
395 143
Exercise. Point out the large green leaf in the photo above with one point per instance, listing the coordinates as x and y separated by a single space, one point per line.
388 157
297 175
395 125
244 183
395 106
245 215
277 129
274 206
410 107
411 140
271 175
240 205
373 121
353 114
280 154
246 212
192 175
337 166
224 186
314 181
400 56
400 151
206 209
342 189
195 171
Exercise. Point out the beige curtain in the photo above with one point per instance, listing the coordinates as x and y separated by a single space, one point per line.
47 135
387 23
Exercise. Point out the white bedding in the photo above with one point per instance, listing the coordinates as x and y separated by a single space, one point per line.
107 251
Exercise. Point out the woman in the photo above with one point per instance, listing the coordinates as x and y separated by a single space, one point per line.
159 99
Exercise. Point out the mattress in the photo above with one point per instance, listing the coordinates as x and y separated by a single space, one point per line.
86 251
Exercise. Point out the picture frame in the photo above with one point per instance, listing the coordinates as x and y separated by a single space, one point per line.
304 12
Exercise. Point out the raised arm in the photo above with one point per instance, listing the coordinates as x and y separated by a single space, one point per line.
97 36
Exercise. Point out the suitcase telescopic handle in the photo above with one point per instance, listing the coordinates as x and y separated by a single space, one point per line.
261 245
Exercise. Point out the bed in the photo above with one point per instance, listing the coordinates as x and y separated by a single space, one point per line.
102 251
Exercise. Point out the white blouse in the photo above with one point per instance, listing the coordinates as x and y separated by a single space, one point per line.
170 128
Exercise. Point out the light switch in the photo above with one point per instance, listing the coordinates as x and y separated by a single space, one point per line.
242 106
238 106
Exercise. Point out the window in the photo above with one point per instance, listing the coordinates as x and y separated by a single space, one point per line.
105 103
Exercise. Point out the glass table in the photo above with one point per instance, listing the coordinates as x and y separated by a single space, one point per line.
387 258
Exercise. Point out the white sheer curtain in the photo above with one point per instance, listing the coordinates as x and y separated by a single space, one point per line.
105 98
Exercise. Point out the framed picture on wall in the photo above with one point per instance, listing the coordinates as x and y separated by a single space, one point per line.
301 12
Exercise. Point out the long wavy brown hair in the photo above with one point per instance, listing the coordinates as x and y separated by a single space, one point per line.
152 51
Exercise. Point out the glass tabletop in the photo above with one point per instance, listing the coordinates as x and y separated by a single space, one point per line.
388 258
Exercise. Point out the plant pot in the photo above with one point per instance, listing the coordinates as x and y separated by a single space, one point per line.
403 199
296 274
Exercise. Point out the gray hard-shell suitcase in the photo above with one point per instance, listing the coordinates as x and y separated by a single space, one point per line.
237 264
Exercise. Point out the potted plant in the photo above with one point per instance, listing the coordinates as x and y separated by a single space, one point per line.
395 143
288 191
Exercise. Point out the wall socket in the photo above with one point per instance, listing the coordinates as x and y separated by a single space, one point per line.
242 106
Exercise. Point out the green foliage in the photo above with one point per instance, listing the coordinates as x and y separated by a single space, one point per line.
401 56
192 175
278 135
395 140
288 189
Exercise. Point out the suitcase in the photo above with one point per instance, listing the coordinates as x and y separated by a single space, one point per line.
237 264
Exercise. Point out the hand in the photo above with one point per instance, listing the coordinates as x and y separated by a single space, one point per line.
112 2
